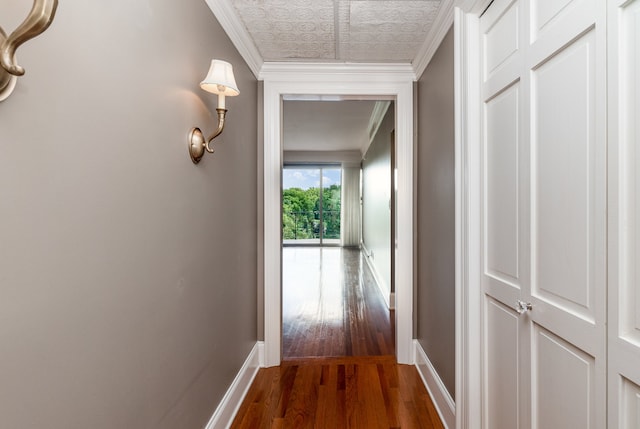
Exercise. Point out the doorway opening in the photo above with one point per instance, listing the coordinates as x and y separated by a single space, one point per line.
356 82
337 228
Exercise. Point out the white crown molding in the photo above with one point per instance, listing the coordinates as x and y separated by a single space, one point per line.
439 29
336 72
379 110
235 29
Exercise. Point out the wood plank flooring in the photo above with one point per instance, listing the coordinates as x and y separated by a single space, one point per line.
335 393
332 306
339 369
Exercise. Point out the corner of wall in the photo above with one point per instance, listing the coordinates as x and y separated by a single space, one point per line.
445 406
230 404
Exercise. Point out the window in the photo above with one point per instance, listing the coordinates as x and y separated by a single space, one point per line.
311 205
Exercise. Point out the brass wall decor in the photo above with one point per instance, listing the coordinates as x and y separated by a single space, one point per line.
219 80
37 21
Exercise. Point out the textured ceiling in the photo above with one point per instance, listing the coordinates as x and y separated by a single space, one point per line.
338 30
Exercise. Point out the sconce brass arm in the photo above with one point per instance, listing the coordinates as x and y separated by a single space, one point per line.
221 115
197 142
37 21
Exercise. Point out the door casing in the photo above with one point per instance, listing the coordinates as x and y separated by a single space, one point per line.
349 81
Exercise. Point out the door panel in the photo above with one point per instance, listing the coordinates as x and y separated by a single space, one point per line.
563 383
505 256
573 20
565 196
630 296
502 187
502 339
630 406
543 220
624 214
545 10
568 218
502 38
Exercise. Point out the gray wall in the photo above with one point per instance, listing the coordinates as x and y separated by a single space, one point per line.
436 213
376 194
127 274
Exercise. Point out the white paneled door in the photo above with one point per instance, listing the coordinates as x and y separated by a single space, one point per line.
543 221
624 214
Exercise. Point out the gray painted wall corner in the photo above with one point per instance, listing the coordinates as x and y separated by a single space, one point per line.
436 214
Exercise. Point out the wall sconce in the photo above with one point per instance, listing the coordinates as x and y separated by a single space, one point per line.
37 21
219 81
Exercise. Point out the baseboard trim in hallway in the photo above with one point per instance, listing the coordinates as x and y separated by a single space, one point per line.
385 289
442 400
228 407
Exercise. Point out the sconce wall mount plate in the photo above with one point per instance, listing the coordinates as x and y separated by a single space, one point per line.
38 20
196 145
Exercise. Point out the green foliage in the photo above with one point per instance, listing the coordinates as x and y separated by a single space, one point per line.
301 213
331 211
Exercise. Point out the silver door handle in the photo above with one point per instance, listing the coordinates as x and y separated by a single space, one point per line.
522 307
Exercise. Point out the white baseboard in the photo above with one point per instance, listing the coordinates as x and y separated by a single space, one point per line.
228 407
442 400
388 296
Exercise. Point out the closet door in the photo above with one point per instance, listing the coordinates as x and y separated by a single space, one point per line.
505 251
624 214
544 214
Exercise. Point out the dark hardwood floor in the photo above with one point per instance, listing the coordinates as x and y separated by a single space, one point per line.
339 368
334 393
332 306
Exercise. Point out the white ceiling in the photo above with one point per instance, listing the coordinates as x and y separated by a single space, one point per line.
326 125
338 30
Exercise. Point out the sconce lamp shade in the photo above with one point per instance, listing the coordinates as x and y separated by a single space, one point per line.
220 79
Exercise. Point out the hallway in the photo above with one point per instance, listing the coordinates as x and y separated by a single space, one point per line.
339 368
